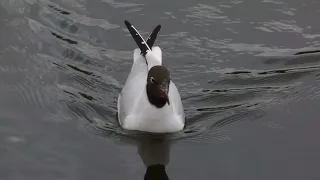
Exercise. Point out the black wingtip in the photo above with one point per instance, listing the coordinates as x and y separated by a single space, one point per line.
153 36
142 44
127 23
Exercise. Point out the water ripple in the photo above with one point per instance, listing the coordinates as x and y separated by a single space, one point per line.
281 26
74 60
115 4
81 19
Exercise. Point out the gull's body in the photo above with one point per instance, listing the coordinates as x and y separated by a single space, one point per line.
135 110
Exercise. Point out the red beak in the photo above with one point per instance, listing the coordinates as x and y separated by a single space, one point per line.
165 97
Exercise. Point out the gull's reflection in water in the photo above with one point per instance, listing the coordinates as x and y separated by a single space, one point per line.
155 154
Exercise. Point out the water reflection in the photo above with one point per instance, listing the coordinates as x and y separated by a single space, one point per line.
155 155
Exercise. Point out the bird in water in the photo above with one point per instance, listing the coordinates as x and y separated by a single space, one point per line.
149 100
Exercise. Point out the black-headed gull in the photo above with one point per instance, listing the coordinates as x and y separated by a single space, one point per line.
149 100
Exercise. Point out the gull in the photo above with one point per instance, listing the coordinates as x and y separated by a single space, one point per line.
149 100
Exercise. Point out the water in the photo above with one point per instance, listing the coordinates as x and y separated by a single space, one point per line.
247 71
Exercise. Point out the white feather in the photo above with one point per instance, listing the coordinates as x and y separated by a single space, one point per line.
134 109
154 57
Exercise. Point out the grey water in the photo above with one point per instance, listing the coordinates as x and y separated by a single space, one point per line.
248 73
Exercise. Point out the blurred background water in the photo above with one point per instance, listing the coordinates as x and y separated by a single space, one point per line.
247 71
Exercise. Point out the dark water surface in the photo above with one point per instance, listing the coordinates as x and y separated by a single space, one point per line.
248 73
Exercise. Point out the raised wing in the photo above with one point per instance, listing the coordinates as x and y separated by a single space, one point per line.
153 36
142 44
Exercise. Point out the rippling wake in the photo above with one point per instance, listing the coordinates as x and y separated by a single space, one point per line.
71 66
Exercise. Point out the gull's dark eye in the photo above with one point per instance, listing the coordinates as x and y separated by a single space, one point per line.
152 80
